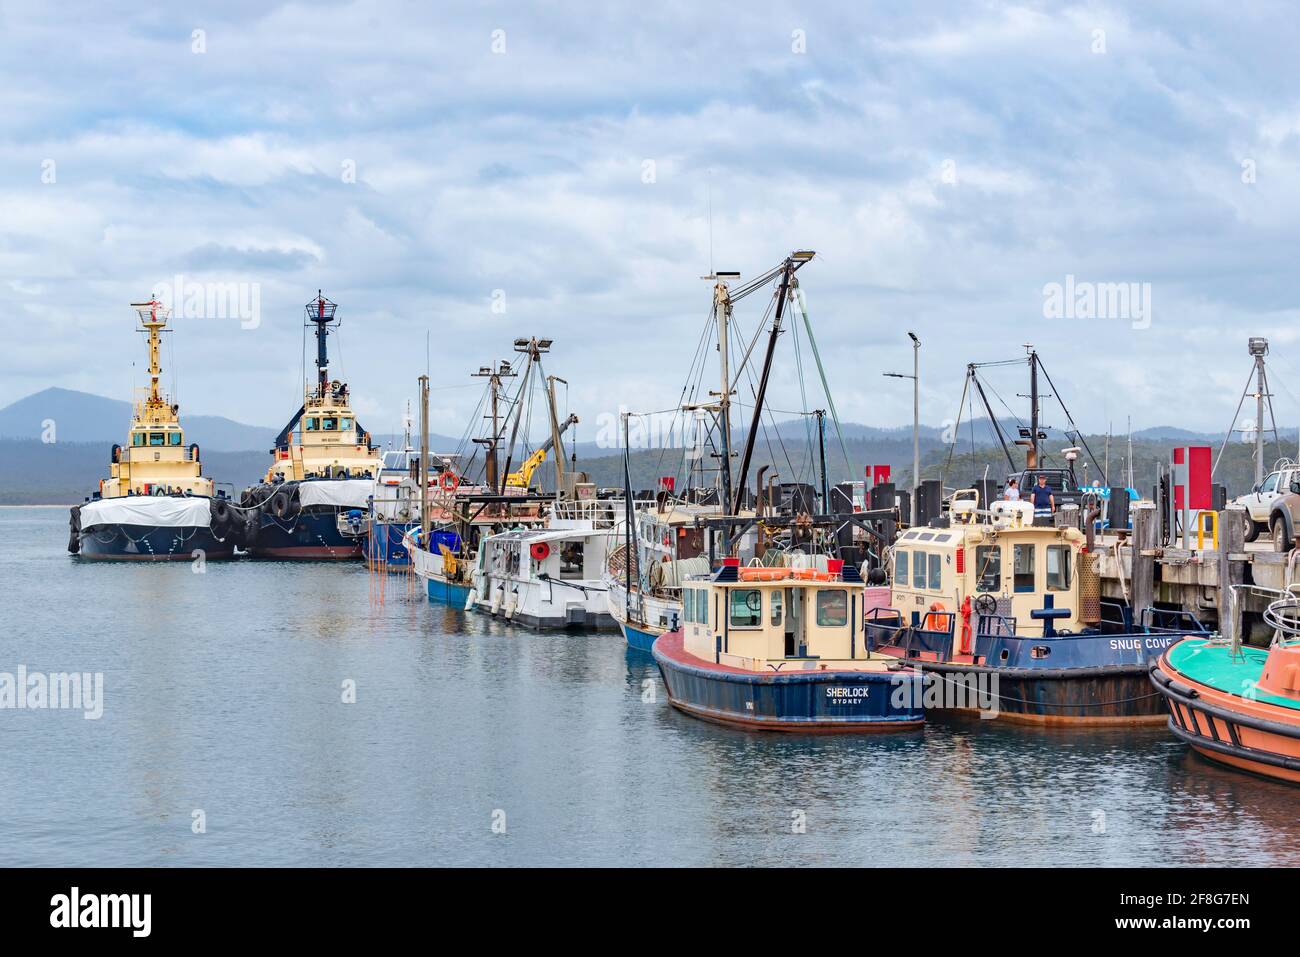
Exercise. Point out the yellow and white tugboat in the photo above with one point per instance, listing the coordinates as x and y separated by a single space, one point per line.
155 504
313 501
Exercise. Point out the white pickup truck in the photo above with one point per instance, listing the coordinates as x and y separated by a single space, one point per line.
1260 499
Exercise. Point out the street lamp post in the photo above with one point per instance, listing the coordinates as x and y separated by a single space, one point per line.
916 419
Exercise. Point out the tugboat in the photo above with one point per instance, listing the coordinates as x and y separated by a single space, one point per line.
1237 705
780 649
989 594
155 503
314 499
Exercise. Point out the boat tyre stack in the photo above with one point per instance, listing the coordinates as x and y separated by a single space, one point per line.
74 530
223 518
252 526
284 504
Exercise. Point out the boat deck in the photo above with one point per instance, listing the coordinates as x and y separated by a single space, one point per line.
1211 663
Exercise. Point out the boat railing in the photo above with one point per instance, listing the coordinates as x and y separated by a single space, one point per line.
601 512
1163 620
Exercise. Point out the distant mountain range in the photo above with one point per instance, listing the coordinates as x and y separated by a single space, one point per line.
85 425
84 417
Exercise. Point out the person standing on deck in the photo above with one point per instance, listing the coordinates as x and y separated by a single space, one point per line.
1012 492
1044 502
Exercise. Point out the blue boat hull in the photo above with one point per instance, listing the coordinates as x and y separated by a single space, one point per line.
446 592
802 701
308 536
636 638
141 543
384 544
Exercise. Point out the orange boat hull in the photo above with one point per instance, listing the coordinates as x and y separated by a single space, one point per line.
1246 734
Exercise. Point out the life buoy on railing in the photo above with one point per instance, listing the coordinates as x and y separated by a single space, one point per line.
449 481
540 551
937 619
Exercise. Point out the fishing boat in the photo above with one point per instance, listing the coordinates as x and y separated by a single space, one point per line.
550 577
679 535
313 501
669 548
1238 705
469 501
156 503
776 649
989 593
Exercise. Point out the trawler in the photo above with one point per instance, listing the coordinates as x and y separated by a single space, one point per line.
313 501
549 577
780 649
683 534
463 511
155 503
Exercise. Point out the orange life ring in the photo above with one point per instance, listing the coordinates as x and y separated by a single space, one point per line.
936 620
760 574
449 481
812 575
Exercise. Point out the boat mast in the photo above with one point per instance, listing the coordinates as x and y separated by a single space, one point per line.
423 470
791 265
722 306
321 312
1032 462
153 317
494 374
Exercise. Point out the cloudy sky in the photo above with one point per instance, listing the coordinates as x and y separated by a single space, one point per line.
424 162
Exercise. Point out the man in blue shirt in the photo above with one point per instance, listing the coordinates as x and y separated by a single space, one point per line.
1044 502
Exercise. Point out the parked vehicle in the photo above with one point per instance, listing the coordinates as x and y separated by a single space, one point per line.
1259 500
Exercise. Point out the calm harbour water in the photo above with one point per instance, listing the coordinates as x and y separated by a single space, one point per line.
223 693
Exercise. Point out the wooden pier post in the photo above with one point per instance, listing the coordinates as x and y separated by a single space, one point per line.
1232 571
1146 530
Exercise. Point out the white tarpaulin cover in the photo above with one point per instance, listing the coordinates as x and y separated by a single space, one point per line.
349 493
152 511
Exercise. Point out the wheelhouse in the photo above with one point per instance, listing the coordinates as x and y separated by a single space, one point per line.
761 619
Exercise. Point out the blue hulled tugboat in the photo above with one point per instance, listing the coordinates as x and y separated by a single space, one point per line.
155 503
782 649
995 599
314 499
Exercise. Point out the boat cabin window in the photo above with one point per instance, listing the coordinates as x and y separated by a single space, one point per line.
936 572
918 569
988 568
137 438
833 607
746 608
900 568
313 424
345 423
1058 567
1022 568
329 423
156 438
173 438
776 608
